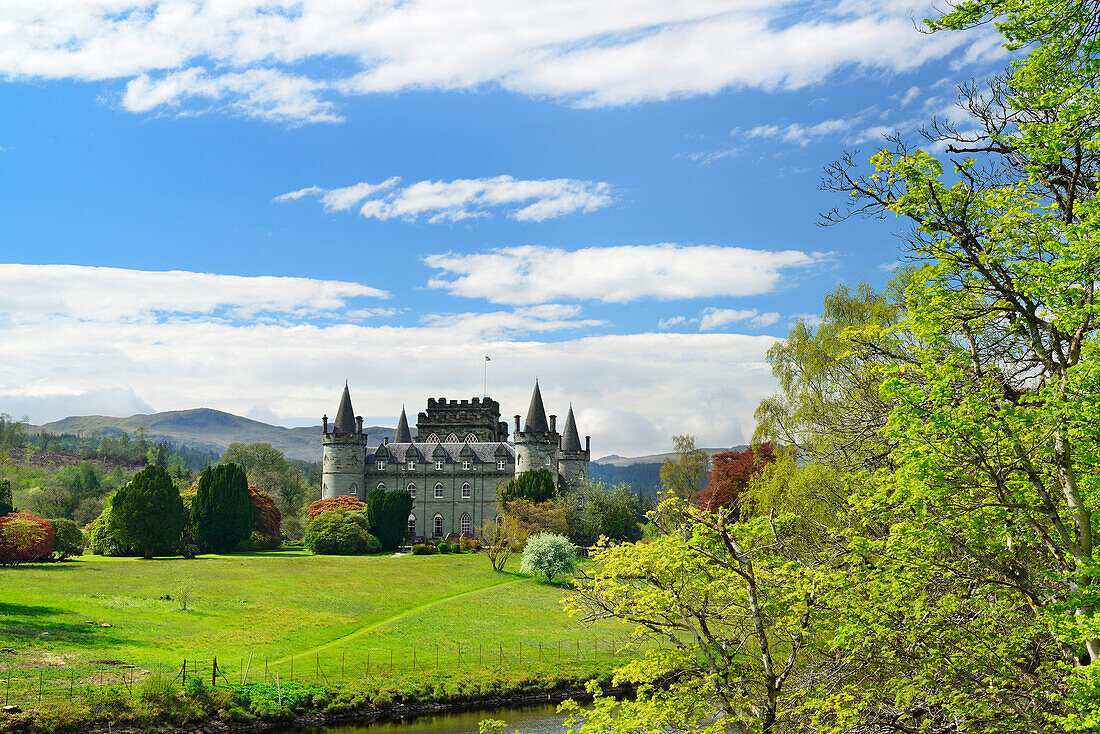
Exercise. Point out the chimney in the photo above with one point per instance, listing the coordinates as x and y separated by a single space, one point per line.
553 424
517 422
588 445
358 424
324 423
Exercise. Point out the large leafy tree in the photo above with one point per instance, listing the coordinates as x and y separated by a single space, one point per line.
536 486
222 510
730 474
148 513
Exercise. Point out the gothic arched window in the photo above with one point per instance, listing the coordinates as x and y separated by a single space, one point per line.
437 527
465 523
465 490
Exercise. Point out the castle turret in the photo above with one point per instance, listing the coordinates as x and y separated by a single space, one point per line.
573 458
403 435
538 443
344 453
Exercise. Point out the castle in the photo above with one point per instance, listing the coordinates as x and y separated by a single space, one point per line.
452 468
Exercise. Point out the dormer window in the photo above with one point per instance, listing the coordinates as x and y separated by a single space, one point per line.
439 466
381 466
502 465
412 466
466 466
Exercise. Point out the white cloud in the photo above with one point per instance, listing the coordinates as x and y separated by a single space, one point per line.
259 58
715 318
453 201
672 321
93 293
631 392
798 134
618 274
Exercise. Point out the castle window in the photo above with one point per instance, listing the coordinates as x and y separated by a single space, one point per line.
432 438
411 490
381 485
502 465
548 461
466 466
439 491
465 490
465 523
412 466
437 527
452 438
439 466
381 466
412 526
471 438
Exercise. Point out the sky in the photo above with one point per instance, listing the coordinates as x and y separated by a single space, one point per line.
240 204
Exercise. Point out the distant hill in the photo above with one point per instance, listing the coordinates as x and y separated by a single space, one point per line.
208 430
642 473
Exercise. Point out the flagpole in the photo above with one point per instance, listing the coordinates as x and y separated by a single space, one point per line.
485 377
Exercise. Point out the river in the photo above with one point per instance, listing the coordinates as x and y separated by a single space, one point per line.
535 719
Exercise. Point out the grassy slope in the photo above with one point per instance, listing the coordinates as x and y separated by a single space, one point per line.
274 605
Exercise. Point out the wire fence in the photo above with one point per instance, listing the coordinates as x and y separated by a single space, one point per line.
31 685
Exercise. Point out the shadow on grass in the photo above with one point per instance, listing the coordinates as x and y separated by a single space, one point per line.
22 621
23 610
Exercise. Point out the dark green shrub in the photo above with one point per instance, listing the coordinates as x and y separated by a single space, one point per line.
68 541
6 506
534 486
393 524
258 542
335 533
148 513
423 549
222 509
444 547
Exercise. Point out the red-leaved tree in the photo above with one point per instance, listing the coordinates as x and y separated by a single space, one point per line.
266 518
730 474
24 538
345 502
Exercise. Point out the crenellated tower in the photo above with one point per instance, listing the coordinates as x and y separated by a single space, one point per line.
538 443
344 452
573 458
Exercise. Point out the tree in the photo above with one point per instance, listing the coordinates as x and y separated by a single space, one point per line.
536 486
731 473
494 541
24 538
523 518
610 512
685 475
394 521
337 532
5 498
222 510
67 539
148 513
548 554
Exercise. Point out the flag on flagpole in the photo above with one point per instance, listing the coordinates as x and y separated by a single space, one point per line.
487 358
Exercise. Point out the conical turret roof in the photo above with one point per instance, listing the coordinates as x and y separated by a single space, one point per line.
570 440
403 434
536 414
345 416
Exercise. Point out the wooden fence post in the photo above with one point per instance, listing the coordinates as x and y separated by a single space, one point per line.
214 674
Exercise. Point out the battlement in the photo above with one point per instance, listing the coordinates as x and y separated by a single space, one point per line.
478 417
445 404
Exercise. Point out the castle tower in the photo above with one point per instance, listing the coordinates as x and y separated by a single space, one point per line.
344 452
403 435
573 459
538 443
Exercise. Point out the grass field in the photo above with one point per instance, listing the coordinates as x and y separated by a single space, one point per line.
290 608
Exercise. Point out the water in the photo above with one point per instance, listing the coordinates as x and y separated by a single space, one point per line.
535 719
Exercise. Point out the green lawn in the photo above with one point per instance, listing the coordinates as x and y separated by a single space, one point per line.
326 612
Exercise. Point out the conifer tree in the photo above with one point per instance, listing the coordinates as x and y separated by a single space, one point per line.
5 497
222 510
148 513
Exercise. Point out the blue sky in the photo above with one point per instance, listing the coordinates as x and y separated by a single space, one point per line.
241 204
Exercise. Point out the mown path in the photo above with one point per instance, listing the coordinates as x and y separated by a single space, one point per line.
388 620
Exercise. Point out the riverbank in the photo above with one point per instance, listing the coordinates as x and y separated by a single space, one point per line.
343 708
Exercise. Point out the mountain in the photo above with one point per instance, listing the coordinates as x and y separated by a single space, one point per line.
208 430
642 473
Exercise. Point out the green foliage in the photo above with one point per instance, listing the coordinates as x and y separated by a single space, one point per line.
534 486
423 549
611 512
68 541
549 555
376 500
148 513
394 523
686 475
340 533
6 505
222 508
444 547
